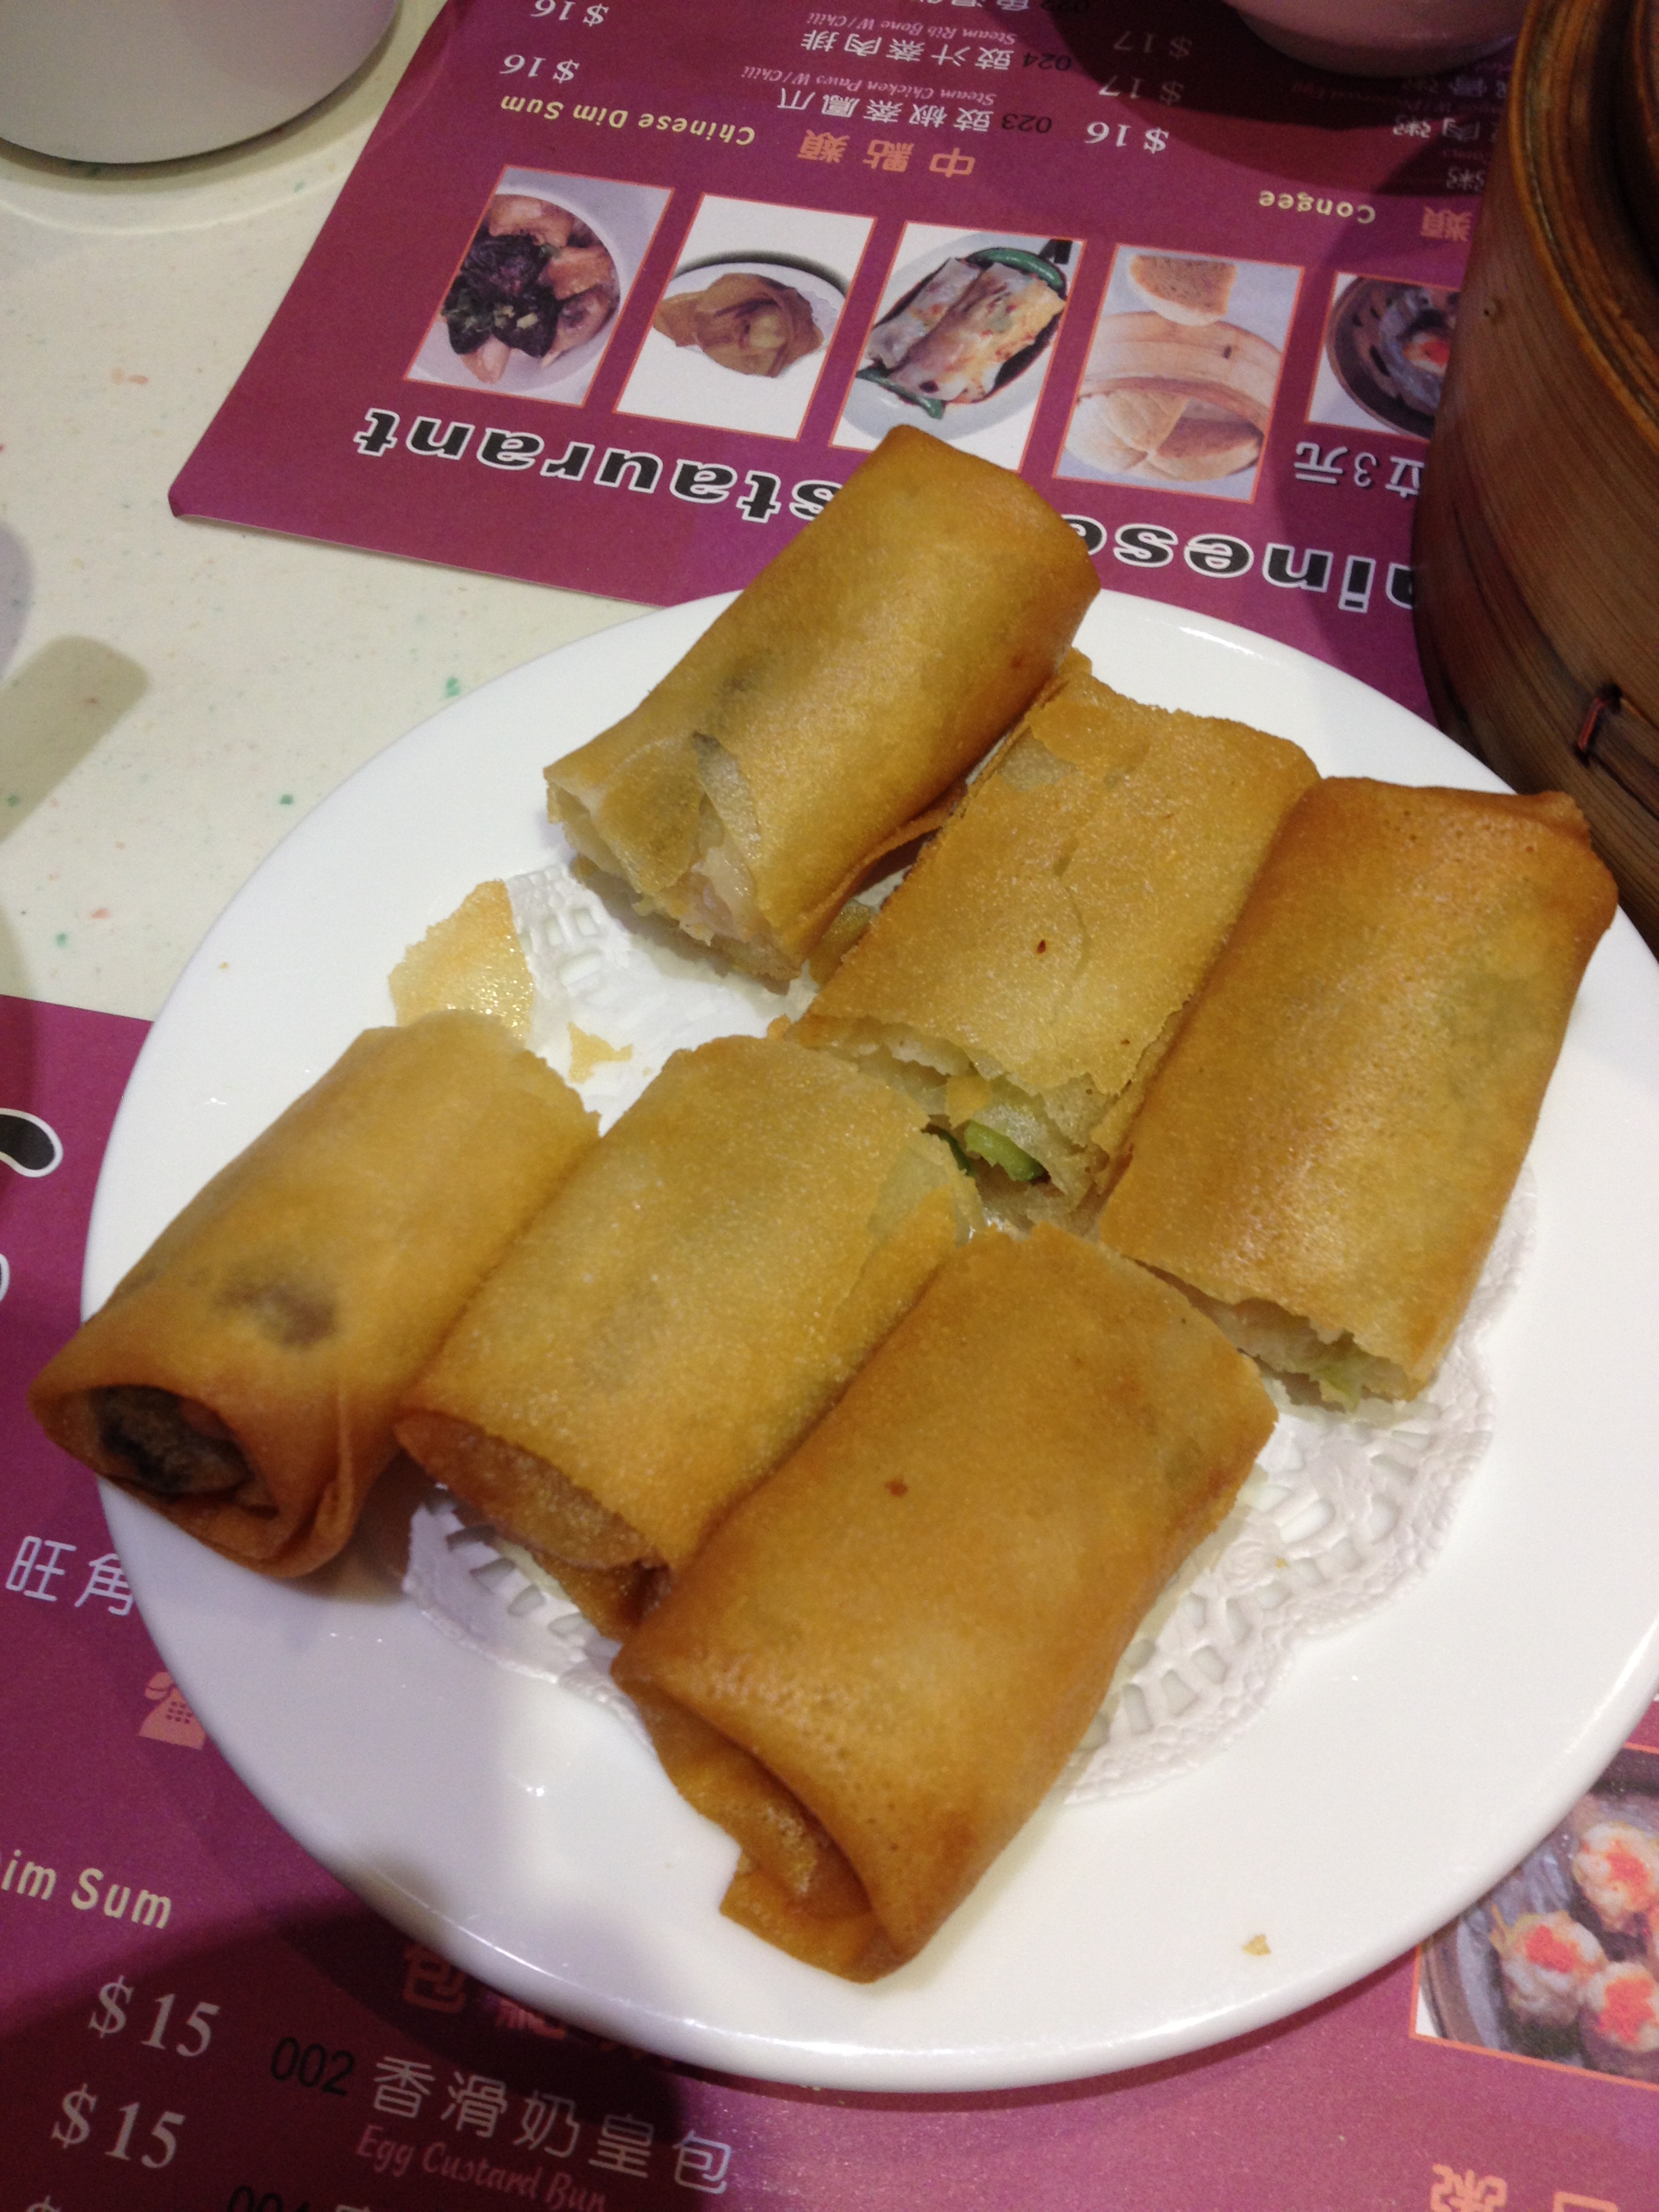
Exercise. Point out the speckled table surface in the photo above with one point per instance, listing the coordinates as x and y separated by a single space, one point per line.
173 696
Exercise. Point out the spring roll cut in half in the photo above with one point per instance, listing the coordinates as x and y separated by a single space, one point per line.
815 723
697 1293
243 1377
881 1661
1022 982
1324 1156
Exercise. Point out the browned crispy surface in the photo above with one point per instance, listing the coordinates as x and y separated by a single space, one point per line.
874 661
1340 1123
243 1377
1068 910
472 957
880 1662
700 1288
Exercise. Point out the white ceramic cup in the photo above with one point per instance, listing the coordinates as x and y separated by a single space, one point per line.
152 80
1385 37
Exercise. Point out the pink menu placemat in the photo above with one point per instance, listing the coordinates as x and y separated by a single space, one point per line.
489 359
194 2017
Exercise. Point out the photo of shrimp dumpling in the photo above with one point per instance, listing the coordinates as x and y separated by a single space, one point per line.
1616 1865
1546 1960
1619 2023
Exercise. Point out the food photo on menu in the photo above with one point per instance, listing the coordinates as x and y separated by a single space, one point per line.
1182 373
531 306
1387 346
742 332
961 342
1559 1963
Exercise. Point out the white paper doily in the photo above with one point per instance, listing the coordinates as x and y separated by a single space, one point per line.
1339 1511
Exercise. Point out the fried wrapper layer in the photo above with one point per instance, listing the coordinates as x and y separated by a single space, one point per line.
1324 1156
697 1293
1027 974
471 958
243 1376
881 1661
867 668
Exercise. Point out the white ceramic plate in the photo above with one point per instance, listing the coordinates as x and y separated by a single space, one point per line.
1402 1769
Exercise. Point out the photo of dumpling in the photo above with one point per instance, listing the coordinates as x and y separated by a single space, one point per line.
1560 1961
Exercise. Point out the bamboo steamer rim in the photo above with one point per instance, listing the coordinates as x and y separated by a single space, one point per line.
1560 129
1638 123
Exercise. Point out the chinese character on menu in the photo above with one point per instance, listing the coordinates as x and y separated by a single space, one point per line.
699 2164
993 58
1463 2192
882 111
973 118
519 2020
1465 180
904 50
887 153
820 42
1447 222
951 58
624 2144
821 146
105 1580
401 2086
794 99
1414 126
477 2101
925 117
1406 481
37 1563
956 163
431 1982
1311 468
549 2124
861 46
1467 134
839 103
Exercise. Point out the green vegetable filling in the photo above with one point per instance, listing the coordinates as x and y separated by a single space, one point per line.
1000 1152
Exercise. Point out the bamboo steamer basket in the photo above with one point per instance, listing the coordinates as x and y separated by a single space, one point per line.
1536 557
1637 119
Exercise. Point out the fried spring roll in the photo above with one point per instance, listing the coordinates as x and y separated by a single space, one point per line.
880 1662
1324 1156
697 1293
1024 979
243 1376
863 671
